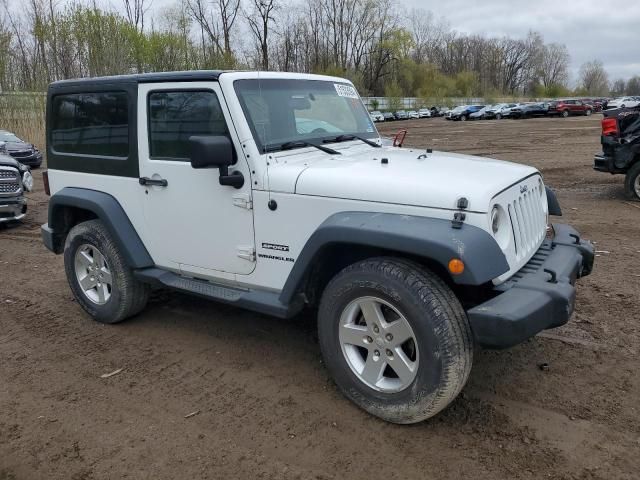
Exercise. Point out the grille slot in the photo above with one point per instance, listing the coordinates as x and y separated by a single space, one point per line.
528 221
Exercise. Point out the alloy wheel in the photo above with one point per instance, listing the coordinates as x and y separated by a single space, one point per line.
378 344
93 274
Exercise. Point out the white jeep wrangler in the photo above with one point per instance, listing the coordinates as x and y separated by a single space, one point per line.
272 191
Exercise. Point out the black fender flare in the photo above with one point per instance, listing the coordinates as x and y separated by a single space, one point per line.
429 238
109 211
553 203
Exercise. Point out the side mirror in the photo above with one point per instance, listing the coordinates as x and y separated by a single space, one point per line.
216 152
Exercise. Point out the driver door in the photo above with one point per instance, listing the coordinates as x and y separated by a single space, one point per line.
194 225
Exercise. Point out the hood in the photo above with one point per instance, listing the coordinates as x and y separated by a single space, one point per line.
7 161
18 146
410 176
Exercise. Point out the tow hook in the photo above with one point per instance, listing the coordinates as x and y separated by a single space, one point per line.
554 276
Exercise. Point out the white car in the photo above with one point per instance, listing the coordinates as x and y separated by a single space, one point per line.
230 186
377 116
424 113
623 102
413 114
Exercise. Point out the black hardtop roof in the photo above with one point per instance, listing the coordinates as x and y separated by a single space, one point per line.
185 76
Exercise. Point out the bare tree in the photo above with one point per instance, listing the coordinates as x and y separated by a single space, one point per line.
260 19
593 78
619 87
554 66
136 11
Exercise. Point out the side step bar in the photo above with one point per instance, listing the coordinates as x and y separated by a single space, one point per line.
259 301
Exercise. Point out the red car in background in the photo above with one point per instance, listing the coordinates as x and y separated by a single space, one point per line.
564 108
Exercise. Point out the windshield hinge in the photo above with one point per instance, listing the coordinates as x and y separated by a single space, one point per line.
243 200
247 252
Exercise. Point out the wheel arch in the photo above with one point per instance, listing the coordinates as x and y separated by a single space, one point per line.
71 206
347 237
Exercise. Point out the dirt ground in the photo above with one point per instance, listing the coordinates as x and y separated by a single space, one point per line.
210 391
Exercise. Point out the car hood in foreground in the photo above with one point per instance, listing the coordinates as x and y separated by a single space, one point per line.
407 176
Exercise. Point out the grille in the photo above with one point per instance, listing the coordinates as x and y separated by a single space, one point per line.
9 180
13 187
528 220
21 153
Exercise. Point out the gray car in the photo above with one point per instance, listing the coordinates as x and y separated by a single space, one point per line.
15 180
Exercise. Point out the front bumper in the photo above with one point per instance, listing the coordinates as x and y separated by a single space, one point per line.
33 160
539 296
13 208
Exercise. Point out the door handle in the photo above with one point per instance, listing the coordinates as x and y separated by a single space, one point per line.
159 182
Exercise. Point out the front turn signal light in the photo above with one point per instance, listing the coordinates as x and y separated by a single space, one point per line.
456 266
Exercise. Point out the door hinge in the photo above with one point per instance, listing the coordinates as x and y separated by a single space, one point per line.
243 200
247 252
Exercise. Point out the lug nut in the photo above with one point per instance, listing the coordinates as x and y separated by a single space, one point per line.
389 353
376 353
376 329
389 337
368 339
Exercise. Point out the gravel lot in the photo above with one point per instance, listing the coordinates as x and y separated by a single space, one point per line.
210 391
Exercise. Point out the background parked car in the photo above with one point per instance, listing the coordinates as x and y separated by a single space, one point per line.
424 113
624 102
439 111
528 110
26 153
388 117
464 112
564 108
479 115
498 111
377 116
413 114
16 180
401 115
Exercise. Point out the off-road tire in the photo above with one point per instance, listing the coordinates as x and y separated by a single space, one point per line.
437 319
128 295
631 182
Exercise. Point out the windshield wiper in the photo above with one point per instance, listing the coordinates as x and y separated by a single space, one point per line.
347 137
298 144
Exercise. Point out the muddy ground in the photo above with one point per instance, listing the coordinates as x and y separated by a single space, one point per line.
262 403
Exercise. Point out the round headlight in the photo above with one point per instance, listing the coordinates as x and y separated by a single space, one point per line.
495 220
27 181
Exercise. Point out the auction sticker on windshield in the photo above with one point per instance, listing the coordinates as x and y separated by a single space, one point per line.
345 90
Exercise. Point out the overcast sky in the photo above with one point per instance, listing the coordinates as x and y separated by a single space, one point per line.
591 29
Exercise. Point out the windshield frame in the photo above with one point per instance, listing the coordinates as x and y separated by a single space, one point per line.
301 138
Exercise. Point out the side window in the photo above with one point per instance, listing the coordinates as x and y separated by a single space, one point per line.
91 124
174 116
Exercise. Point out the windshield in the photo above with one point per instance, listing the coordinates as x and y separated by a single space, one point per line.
8 137
281 111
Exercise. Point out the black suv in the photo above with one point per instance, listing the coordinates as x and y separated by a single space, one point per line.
621 147
26 153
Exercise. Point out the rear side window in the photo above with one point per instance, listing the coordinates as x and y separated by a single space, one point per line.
175 116
91 124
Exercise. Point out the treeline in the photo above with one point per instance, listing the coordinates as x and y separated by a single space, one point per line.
384 49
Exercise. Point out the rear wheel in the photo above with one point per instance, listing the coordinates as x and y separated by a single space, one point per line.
588 113
395 339
498 116
632 182
98 275
463 118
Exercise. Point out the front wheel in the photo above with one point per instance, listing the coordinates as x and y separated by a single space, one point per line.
463 118
395 339
565 113
588 113
632 182
498 116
